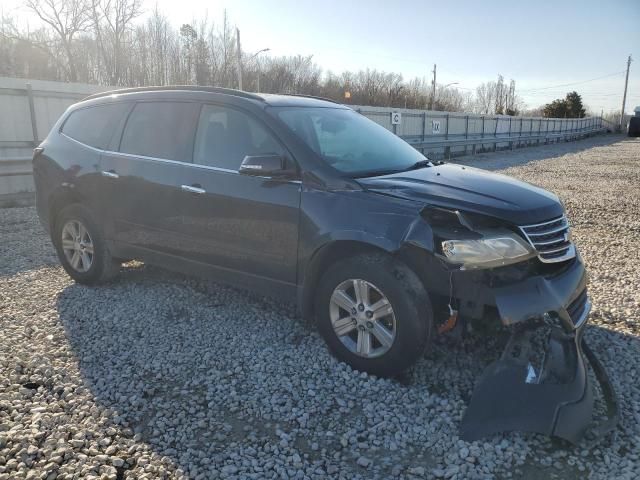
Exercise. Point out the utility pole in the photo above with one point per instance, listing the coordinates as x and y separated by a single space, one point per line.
433 88
239 58
624 97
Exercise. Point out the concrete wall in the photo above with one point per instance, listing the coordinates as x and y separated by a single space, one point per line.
17 136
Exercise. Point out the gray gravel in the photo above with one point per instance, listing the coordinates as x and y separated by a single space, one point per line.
162 376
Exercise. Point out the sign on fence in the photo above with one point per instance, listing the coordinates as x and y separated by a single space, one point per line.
435 126
396 118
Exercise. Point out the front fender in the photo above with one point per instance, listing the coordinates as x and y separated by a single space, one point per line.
357 220
419 234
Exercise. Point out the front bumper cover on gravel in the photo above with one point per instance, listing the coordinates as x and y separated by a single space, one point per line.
541 383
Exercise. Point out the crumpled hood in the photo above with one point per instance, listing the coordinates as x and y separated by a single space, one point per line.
471 189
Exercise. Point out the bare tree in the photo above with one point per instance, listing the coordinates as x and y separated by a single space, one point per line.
512 103
67 18
112 23
201 54
449 99
500 96
223 48
485 98
158 47
101 41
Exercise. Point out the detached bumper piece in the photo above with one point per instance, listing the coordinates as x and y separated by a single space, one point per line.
540 383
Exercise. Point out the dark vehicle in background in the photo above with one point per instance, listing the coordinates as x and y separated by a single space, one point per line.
633 128
308 200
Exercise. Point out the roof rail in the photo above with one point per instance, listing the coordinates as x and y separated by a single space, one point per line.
308 96
192 88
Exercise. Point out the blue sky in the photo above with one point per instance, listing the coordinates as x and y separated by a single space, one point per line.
539 43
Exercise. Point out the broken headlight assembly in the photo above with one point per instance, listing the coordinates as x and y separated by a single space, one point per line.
472 241
492 249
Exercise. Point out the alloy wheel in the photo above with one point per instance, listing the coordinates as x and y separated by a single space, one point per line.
77 246
362 318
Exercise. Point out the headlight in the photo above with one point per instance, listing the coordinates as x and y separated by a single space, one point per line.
491 251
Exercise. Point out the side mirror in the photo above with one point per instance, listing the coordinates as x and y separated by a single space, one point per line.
269 165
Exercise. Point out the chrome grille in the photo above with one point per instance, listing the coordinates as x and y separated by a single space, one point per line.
551 240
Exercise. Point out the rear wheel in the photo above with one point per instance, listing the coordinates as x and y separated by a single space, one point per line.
374 314
81 247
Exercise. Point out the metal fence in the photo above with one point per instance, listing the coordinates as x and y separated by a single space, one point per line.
29 108
446 134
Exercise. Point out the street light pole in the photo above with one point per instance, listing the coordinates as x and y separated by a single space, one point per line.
433 88
254 56
444 88
239 58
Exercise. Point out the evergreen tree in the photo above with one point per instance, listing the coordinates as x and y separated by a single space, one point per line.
555 109
569 107
575 109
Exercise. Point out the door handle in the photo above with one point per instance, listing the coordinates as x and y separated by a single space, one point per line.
110 174
192 189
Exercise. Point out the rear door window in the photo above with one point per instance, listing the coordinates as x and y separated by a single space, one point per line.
225 136
161 130
94 126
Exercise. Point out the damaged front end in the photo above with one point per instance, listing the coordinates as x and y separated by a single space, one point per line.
533 277
540 383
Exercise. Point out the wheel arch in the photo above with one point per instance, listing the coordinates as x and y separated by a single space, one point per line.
415 258
59 199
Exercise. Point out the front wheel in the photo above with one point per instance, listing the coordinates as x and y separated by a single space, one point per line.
374 314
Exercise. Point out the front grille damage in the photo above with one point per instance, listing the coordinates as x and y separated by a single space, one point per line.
540 382
578 309
551 240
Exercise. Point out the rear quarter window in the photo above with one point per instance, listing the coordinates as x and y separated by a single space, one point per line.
94 126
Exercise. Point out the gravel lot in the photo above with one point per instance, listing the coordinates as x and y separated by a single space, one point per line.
162 376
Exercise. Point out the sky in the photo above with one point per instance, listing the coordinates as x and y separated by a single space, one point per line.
542 44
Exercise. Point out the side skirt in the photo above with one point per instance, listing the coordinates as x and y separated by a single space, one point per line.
255 283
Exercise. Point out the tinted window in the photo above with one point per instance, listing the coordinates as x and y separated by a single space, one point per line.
225 136
95 125
348 141
161 130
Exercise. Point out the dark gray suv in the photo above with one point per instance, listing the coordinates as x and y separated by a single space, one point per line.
308 200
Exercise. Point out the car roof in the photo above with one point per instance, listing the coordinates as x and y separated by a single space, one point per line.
280 100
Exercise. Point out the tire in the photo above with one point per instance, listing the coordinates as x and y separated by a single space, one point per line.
101 266
407 329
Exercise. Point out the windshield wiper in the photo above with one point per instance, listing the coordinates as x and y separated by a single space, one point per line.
381 172
375 173
419 164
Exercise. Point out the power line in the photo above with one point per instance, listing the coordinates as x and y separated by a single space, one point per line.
573 83
542 90
418 62
530 91
582 93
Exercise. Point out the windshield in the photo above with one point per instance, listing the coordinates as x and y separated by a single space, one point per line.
350 142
